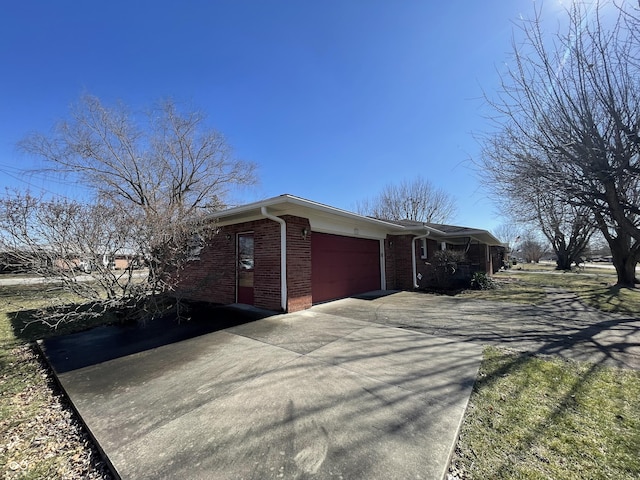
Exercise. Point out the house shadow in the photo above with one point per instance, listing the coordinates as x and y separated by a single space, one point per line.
66 352
374 295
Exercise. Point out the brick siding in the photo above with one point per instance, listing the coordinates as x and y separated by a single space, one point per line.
298 263
398 262
212 277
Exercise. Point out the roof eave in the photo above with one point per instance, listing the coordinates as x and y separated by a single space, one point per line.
253 210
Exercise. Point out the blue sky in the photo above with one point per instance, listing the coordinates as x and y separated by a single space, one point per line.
332 99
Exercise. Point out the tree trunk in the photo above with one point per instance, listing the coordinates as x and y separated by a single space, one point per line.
625 264
564 257
564 261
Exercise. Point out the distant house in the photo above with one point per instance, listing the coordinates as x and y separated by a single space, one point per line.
287 253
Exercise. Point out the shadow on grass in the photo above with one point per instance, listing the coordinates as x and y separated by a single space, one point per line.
536 417
553 418
614 298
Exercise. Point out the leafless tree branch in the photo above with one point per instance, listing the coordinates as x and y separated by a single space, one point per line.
416 200
155 178
568 118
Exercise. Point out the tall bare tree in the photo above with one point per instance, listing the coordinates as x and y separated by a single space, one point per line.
415 200
154 176
568 227
568 118
510 233
531 249
165 162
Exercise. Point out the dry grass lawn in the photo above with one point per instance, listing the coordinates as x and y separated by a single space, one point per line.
41 437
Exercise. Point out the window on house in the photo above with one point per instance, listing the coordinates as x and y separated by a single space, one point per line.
194 247
423 248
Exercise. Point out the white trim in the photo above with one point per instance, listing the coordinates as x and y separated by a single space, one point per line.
327 219
283 256
383 271
344 229
288 203
414 265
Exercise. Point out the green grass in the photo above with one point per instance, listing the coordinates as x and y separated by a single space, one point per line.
595 289
534 418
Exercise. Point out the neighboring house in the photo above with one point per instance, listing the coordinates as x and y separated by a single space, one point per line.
328 254
17 262
122 261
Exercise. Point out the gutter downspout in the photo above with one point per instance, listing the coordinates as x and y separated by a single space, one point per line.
413 257
283 256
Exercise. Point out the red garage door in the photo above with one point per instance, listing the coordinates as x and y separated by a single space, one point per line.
343 266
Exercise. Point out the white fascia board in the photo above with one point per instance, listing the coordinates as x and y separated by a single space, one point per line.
421 231
324 224
327 219
337 212
323 216
242 211
481 236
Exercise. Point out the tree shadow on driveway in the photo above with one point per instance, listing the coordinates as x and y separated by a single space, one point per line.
561 326
107 342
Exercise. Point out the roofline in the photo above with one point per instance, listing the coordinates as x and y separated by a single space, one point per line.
321 207
301 202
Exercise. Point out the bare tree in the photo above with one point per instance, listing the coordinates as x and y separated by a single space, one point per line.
164 163
155 177
568 227
569 116
416 200
73 245
531 249
510 233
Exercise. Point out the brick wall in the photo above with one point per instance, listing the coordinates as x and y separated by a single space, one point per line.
266 276
424 265
390 262
212 278
298 263
497 258
477 256
399 272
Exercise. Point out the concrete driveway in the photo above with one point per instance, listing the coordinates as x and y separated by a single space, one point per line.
562 326
316 394
372 387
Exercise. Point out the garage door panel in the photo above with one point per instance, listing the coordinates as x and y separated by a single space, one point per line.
343 266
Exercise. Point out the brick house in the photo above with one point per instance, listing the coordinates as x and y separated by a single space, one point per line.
328 254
